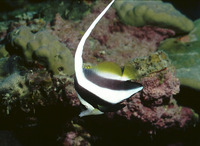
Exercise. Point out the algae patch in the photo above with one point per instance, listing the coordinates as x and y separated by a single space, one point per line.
141 67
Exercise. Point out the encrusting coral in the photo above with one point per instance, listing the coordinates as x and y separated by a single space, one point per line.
157 13
41 47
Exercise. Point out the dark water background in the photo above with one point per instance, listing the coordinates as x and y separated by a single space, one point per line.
191 8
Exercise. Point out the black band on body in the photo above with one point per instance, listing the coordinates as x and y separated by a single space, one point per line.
109 83
90 97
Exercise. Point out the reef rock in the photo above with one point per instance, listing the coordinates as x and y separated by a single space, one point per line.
41 47
185 53
157 13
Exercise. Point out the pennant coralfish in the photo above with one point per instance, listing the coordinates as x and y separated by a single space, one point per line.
102 87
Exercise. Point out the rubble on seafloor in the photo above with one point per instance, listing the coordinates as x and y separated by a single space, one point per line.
75 135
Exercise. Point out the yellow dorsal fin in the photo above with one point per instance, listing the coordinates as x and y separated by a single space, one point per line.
108 68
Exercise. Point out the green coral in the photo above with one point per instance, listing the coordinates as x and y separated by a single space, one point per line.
141 67
185 55
157 13
42 47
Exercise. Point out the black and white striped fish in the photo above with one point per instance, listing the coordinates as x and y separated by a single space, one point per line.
102 87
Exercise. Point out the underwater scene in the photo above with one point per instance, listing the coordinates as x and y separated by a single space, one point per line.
99 73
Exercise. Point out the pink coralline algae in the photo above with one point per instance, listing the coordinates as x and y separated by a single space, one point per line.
155 105
64 30
76 136
108 37
72 138
156 89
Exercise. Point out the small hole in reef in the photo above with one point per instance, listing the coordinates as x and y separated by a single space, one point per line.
60 69
20 85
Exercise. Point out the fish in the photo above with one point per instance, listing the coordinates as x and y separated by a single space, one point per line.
102 87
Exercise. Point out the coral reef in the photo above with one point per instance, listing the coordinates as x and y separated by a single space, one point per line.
41 47
26 90
109 37
155 105
184 53
140 13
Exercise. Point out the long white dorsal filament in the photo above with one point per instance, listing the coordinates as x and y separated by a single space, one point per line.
79 51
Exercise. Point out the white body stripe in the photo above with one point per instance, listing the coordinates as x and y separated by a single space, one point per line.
78 56
111 76
111 96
